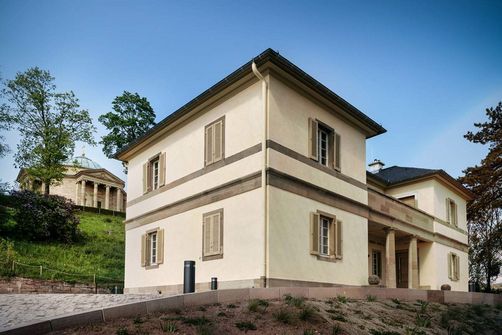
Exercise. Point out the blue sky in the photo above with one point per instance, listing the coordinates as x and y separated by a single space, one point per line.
425 70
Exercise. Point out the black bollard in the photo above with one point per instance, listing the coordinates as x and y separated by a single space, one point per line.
214 283
189 277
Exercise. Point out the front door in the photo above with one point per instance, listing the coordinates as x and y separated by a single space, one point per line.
402 269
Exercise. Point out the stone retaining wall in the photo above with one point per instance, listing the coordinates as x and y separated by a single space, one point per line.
239 295
27 285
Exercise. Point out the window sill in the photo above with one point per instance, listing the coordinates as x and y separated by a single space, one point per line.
212 257
331 259
153 266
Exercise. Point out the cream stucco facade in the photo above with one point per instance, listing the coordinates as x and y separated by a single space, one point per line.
287 217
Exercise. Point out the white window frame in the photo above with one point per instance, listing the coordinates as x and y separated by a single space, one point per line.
453 210
153 247
155 166
324 226
323 140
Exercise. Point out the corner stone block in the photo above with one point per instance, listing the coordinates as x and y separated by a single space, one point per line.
233 295
201 298
294 291
265 293
37 328
77 319
123 311
435 296
164 304
322 292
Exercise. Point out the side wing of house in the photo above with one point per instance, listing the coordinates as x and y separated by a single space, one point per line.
194 193
317 190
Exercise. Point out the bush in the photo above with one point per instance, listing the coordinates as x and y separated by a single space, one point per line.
245 326
45 217
7 255
283 316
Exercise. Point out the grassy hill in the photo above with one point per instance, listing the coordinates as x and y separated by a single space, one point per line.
100 252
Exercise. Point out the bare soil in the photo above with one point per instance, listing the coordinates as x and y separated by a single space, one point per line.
298 316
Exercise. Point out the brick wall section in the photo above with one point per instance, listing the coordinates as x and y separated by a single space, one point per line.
26 285
243 294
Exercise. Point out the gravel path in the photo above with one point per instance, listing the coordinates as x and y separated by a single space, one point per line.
17 309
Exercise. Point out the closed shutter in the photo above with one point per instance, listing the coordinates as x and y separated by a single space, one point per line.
162 168
209 145
149 177
454 213
160 246
457 268
313 150
338 163
447 209
218 141
450 266
314 233
145 178
206 229
143 250
331 150
215 235
332 238
339 240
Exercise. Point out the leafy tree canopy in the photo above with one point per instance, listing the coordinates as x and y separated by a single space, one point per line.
49 124
131 117
484 213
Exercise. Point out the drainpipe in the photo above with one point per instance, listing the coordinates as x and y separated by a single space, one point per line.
264 94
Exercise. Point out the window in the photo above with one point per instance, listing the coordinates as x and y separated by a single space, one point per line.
154 173
326 236
451 212
212 235
152 248
453 266
214 141
409 200
324 144
376 263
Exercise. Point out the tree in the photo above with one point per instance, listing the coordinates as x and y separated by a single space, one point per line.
5 124
132 116
49 124
484 213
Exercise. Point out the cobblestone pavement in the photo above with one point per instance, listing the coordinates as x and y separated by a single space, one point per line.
17 309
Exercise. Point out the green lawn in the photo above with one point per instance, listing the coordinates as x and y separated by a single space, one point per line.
101 252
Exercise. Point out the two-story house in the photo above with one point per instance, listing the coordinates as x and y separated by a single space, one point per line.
262 181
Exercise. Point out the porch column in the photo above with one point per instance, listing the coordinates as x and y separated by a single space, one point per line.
95 196
413 263
82 193
107 197
76 192
119 199
390 258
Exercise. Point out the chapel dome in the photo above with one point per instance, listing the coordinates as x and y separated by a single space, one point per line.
83 162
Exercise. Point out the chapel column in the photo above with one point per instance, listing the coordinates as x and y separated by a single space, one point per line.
413 263
82 193
107 197
390 258
77 184
119 199
95 196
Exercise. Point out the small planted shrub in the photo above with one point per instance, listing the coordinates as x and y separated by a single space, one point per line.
245 326
221 314
284 316
336 330
168 326
137 320
231 306
308 332
202 309
7 256
342 299
197 321
204 329
371 298
122 331
258 305
307 313
294 301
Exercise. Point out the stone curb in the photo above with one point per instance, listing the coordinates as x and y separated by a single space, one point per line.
164 304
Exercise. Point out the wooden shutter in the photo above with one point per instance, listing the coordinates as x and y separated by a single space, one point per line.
206 235
208 144
162 169
447 209
331 150
457 268
145 178
313 150
338 163
449 266
218 141
160 246
149 177
314 233
215 234
339 240
454 213
143 250
332 238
